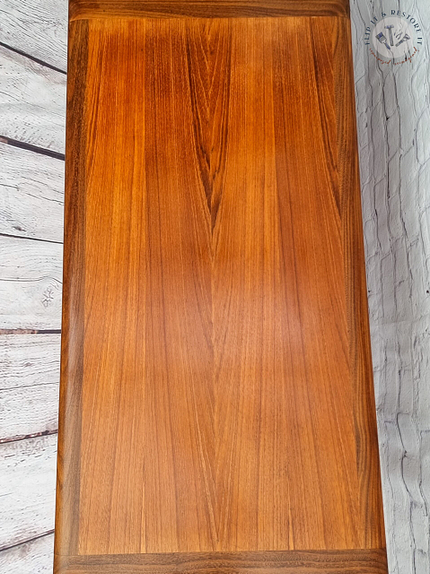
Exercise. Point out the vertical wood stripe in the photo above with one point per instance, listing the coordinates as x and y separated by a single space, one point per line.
72 337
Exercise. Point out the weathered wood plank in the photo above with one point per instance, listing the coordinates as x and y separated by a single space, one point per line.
29 360
32 102
393 128
27 487
28 411
38 27
29 376
34 557
30 284
402 363
31 194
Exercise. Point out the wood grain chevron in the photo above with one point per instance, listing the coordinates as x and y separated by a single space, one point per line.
208 50
216 382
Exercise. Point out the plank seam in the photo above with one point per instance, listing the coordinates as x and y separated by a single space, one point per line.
47 533
33 148
30 331
12 236
30 238
32 58
28 436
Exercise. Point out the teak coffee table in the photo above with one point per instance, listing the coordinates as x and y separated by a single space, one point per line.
217 405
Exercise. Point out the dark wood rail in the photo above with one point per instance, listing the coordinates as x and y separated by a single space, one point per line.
85 9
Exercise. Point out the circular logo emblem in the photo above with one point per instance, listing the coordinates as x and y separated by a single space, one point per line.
394 38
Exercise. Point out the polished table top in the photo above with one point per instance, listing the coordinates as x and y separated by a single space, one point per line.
217 407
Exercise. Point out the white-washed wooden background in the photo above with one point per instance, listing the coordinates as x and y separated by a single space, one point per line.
393 116
33 35
394 139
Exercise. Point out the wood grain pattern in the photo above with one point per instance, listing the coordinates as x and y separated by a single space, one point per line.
29 558
37 408
31 113
310 562
216 380
392 118
29 379
72 335
31 360
31 194
30 284
393 127
28 507
32 102
37 27
85 9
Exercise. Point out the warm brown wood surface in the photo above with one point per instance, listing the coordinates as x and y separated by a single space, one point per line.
291 562
85 9
216 392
